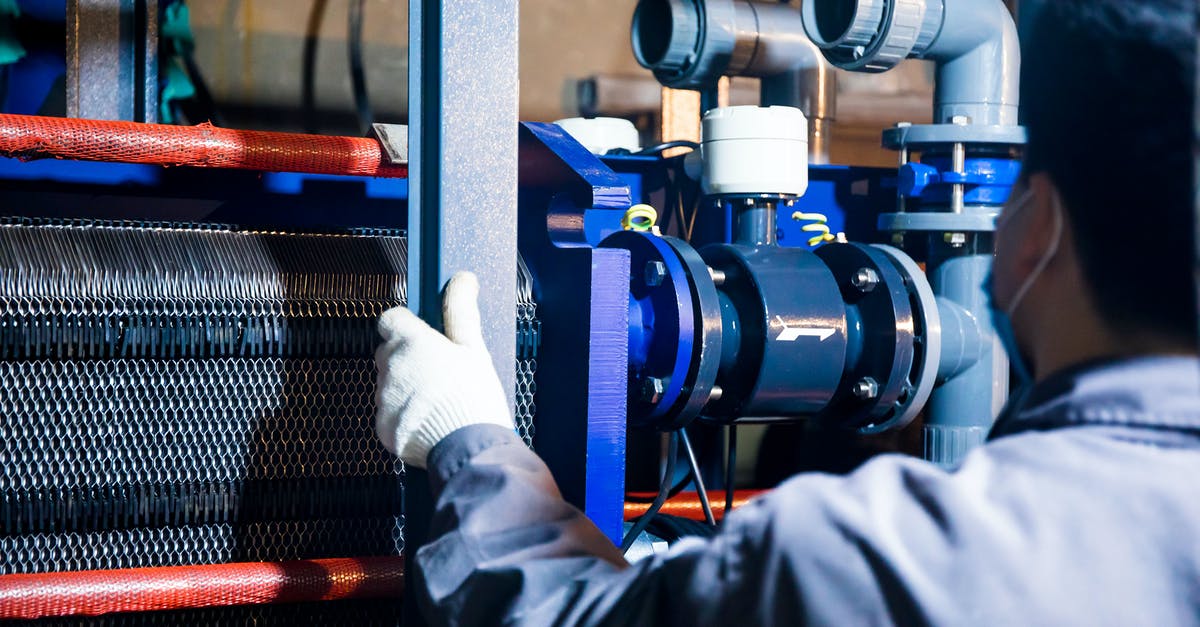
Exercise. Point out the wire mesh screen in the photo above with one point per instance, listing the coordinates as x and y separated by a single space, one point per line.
178 394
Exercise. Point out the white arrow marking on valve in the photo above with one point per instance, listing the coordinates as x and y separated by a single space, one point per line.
790 334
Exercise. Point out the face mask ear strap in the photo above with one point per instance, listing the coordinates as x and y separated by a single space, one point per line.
1019 204
1047 257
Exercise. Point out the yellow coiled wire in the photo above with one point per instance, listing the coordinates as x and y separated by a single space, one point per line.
817 224
639 218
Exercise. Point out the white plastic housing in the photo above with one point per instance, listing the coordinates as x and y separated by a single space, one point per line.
600 135
755 150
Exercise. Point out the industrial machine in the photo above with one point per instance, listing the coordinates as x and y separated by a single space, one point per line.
186 384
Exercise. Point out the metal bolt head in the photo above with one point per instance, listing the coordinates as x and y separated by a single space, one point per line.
656 272
866 388
718 276
865 279
652 389
960 120
715 394
957 240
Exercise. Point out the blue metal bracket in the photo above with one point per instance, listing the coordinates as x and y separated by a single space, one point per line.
583 302
595 198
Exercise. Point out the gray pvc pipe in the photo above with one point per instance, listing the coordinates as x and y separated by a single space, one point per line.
756 225
973 42
979 63
962 409
690 44
772 37
813 91
964 342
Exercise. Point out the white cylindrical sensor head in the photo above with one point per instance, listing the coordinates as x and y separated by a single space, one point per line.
750 151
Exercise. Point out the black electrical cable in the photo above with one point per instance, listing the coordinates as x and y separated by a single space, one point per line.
203 94
672 528
664 488
680 143
668 200
675 490
358 75
701 491
4 81
308 70
730 467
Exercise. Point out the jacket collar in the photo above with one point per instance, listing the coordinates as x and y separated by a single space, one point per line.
1155 392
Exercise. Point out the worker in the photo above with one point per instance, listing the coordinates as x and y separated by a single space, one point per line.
1083 508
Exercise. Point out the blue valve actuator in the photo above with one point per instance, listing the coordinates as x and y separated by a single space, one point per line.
988 181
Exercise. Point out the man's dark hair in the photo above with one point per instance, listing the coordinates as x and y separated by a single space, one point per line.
1107 94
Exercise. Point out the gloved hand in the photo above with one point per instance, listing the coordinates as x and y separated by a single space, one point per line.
431 385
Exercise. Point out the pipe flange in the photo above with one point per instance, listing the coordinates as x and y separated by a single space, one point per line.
880 308
923 136
928 317
675 330
939 221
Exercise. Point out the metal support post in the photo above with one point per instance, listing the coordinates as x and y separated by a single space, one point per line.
112 60
462 85
463 152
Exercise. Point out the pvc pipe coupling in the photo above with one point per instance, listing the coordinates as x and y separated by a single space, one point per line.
690 44
974 43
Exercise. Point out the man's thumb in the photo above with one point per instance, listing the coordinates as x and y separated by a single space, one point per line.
460 311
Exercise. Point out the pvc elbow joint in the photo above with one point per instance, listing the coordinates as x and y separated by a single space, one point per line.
974 43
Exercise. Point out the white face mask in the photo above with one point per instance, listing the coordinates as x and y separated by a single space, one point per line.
1046 258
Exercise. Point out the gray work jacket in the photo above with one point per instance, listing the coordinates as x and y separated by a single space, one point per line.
1083 509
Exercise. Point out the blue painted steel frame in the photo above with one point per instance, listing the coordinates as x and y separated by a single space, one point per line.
583 303
189 180
59 188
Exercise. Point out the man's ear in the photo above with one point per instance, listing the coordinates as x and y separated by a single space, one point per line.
1040 221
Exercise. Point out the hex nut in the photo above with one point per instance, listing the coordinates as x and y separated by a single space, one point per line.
865 279
656 273
957 240
866 388
652 389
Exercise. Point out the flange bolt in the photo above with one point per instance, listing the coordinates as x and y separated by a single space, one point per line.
865 279
866 388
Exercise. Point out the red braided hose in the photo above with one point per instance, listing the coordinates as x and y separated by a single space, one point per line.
205 146
91 593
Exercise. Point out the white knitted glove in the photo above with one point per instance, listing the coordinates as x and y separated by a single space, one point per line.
431 385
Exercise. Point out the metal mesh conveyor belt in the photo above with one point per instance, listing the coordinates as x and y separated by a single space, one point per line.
181 394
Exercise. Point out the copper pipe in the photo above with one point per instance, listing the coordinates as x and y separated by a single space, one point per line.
92 593
687 504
